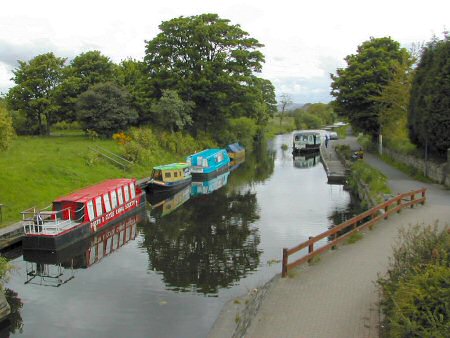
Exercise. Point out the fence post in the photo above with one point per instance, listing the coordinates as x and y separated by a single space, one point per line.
310 248
412 199
285 260
399 201
423 196
386 211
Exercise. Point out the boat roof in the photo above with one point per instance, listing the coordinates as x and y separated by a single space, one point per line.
308 132
172 166
208 152
93 191
235 148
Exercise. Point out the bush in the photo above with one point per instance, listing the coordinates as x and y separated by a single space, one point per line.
305 120
416 300
64 125
5 268
7 133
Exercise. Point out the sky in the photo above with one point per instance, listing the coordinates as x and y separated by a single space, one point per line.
304 41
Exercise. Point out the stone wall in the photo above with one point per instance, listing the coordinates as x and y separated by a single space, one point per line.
439 173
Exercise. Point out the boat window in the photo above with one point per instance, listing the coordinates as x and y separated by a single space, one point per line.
107 202
113 199
98 205
175 174
120 196
132 190
127 193
205 163
220 157
90 208
199 161
167 175
297 138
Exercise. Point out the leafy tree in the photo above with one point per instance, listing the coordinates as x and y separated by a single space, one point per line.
6 128
306 120
208 61
132 75
34 91
323 111
105 109
367 71
429 118
172 112
394 105
83 71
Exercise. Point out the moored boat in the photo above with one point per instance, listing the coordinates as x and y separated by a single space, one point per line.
169 177
208 163
235 151
307 141
80 214
207 187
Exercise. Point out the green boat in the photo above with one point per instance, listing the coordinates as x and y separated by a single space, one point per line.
169 177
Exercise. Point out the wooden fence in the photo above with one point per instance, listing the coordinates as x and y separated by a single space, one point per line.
344 230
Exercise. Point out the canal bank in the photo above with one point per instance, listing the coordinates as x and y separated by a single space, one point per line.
337 297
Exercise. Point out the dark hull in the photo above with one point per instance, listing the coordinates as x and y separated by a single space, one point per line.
308 149
199 177
154 188
83 231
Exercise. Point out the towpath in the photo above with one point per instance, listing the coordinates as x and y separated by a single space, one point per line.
337 296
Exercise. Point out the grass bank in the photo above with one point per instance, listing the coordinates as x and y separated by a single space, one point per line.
275 128
36 170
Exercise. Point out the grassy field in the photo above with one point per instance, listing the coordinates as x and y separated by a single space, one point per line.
36 170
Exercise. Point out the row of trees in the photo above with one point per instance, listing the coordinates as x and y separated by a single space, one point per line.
197 74
383 90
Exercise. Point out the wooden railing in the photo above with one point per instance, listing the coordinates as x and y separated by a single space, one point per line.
355 224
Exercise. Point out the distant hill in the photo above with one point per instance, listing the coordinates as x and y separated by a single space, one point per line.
292 106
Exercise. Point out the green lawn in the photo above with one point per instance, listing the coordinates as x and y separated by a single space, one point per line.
36 170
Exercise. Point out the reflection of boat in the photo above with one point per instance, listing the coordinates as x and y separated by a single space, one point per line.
307 140
207 187
235 151
55 268
80 214
235 163
169 177
164 204
208 163
307 160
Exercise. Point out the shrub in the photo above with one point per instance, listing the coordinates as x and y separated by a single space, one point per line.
64 125
416 300
6 128
5 268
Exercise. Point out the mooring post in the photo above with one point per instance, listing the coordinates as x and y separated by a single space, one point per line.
284 264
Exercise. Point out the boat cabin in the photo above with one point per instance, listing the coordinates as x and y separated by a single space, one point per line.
171 172
307 140
208 161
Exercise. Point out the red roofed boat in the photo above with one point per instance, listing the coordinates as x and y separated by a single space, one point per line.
80 214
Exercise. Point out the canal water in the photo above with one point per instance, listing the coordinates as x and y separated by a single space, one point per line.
167 271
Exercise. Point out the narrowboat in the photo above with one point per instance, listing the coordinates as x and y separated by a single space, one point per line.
54 268
169 177
208 163
235 151
207 187
307 141
80 214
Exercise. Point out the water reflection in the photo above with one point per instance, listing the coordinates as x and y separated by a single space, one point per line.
208 244
14 322
164 203
55 268
307 160
207 187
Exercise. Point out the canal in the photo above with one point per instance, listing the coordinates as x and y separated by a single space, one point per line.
168 271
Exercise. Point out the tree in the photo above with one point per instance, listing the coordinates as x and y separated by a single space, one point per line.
208 61
285 101
367 71
34 91
105 109
394 105
83 71
172 112
6 128
429 118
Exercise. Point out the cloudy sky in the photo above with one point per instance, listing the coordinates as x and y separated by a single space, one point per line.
304 41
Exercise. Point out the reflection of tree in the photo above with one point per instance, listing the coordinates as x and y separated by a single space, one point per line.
14 318
341 215
206 245
258 166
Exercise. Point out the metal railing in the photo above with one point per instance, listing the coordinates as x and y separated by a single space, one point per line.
355 224
46 221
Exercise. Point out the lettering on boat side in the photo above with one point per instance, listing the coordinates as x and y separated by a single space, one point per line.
130 204
110 215
95 223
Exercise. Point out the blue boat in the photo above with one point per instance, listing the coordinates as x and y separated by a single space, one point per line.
208 163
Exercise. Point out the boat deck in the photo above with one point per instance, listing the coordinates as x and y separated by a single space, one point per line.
49 227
